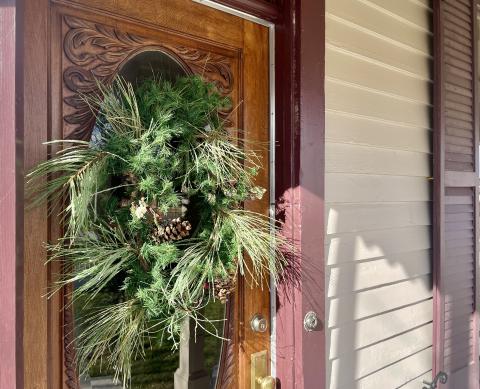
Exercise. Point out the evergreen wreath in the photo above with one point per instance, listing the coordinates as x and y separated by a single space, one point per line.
153 209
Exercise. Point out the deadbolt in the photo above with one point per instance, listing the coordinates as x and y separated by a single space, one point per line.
310 322
258 323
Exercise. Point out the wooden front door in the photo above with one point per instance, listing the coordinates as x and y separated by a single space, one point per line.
91 40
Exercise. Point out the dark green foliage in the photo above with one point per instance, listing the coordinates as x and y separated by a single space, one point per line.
152 149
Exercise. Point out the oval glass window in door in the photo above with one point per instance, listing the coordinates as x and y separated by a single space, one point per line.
196 360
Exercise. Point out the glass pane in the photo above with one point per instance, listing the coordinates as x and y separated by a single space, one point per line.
157 369
161 367
148 63
214 311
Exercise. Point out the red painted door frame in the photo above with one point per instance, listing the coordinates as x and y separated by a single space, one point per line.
300 170
300 191
11 193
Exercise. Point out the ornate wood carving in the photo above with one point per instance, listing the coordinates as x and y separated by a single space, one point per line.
227 369
71 371
95 53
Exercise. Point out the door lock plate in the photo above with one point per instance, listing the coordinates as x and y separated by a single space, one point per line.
259 372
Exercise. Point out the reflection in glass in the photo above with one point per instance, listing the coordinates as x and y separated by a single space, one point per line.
151 63
161 367
215 311
160 364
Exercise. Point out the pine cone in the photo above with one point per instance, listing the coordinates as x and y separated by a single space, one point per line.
175 229
130 178
222 288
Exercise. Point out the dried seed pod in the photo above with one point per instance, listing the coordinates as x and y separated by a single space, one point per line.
175 229
223 287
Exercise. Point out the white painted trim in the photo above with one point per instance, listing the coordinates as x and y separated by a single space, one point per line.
272 140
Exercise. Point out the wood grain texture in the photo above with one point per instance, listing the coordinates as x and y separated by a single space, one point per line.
256 124
456 193
203 25
70 372
95 52
95 45
11 201
228 368
85 61
36 340
47 109
264 9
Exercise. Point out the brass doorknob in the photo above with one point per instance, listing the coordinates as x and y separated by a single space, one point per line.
267 382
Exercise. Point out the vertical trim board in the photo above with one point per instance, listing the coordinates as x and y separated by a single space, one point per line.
11 204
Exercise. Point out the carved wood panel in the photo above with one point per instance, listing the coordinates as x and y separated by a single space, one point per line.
69 359
227 370
94 52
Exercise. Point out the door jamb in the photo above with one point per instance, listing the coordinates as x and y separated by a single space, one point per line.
11 194
299 182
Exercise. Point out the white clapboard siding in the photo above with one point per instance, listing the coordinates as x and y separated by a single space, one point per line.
346 158
374 273
351 188
368 16
363 304
369 46
400 374
375 216
378 193
358 100
370 331
387 352
361 130
361 246
375 76
407 10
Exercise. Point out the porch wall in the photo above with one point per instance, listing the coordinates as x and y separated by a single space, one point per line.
378 197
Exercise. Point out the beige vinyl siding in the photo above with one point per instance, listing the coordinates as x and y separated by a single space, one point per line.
378 193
